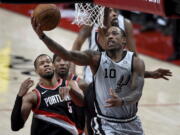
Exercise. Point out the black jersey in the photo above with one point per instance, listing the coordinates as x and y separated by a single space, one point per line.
52 115
79 112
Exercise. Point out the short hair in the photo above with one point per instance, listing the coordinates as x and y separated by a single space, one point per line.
54 57
35 61
122 31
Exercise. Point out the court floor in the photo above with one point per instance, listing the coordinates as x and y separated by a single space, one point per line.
159 107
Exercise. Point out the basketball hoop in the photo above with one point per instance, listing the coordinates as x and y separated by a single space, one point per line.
89 14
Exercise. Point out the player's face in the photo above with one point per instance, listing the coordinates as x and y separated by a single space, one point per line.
113 16
114 39
61 66
45 67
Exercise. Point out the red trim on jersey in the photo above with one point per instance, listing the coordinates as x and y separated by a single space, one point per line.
78 79
72 75
38 98
52 88
67 82
54 115
80 131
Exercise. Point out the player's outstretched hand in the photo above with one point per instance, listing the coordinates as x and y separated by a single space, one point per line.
161 73
37 28
64 93
25 86
114 100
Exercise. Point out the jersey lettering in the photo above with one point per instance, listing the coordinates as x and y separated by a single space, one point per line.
122 82
110 74
54 100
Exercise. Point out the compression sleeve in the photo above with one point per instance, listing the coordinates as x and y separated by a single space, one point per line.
17 121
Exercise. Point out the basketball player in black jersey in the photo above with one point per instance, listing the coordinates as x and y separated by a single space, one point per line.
52 115
62 72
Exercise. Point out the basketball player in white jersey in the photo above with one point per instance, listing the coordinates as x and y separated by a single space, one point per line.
96 37
119 79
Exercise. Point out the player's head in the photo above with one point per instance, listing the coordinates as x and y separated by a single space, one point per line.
43 66
112 16
61 66
115 38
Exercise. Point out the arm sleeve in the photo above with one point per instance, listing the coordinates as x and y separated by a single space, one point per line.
17 121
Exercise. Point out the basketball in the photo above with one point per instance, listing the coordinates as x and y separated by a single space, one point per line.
47 15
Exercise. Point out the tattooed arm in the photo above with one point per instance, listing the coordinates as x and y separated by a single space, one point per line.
90 58
137 83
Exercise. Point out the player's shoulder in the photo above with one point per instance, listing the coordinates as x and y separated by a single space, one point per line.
31 96
138 63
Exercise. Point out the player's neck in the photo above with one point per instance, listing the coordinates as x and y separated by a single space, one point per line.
115 55
48 82
63 76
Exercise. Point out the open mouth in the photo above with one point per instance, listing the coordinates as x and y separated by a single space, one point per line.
111 43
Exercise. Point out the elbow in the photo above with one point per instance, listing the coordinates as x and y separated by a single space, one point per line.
15 127
139 96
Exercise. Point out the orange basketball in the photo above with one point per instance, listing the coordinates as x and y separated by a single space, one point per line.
47 15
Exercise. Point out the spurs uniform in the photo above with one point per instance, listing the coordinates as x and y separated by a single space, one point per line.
94 45
120 120
53 115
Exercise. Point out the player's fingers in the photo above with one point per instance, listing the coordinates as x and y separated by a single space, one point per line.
31 83
38 27
165 71
61 92
109 100
108 105
112 92
25 82
169 74
27 79
33 22
165 78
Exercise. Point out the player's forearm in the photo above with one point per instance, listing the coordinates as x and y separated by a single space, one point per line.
147 74
17 121
77 97
56 48
76 57
77 45
135 93
131 45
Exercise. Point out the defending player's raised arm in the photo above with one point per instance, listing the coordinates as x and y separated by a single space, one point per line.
137 82
76 93
22 106
131 45
83 34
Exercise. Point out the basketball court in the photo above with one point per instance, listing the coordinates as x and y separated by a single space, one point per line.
159 107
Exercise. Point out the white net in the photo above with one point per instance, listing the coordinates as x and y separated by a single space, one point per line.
89 14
